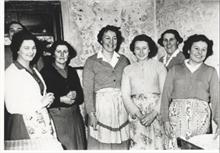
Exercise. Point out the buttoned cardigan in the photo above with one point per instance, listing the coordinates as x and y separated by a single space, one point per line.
98 74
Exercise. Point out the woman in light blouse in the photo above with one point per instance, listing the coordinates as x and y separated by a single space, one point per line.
189 89
108 119
142 85
25 93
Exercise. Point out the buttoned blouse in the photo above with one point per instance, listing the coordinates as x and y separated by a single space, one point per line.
98 74
181 83
144 77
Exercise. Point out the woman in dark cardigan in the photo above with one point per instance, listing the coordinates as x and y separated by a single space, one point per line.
64 82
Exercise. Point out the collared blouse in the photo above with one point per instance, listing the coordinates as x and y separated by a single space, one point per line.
98 74
181 83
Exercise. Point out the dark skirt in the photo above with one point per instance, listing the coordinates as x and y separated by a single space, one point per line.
15 128
69 127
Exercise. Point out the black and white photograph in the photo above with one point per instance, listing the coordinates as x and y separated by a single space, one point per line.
110 75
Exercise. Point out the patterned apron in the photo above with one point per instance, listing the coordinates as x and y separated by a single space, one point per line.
188 118
150 137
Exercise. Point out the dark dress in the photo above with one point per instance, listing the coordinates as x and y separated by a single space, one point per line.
67 119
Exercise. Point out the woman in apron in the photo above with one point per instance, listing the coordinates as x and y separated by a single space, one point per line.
108 119
142 84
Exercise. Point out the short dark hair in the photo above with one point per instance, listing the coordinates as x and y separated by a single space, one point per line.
17 41
14 22
115 29
176 34
195 38
152 45
72 51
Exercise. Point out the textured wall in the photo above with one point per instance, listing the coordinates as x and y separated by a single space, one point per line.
89 16
191 17
84 18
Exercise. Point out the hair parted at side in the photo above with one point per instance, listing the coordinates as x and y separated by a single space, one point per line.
115 29
152 45
195 38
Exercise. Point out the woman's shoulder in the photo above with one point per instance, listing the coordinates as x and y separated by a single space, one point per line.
155 62
71 69
131 67
208 67
124 58
11 69
47 69
13 73
92 57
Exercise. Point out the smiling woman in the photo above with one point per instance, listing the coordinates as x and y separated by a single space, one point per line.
142 85
190 88
28 116
108 119
170 40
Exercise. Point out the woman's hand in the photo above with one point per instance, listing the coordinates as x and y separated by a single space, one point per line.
136 113
48 99
168 129
217 133
148 118
67 100
93 120
71 95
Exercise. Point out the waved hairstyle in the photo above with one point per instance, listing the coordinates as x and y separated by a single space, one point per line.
72 51
112 28
17 41
195 38
174 32
152 45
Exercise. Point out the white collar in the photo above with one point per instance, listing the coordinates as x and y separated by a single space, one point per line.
114 59
171 57
191 67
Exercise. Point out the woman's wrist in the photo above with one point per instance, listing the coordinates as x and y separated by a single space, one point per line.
92 114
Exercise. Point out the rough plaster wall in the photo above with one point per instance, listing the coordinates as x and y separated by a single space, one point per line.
84 18
191 17
87 17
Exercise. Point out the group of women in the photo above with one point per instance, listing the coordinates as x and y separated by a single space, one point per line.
143 105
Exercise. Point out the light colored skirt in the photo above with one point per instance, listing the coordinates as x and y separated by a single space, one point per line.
150 137
188 118
112 127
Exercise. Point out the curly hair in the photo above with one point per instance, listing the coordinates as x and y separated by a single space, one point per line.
115 29
174 32
72 51
17 41
152 45
195 38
